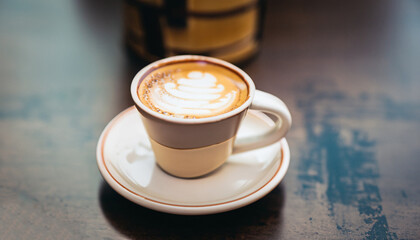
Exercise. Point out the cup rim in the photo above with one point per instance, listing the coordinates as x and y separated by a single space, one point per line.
182 58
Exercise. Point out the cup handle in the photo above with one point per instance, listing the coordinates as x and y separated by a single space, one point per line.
268 103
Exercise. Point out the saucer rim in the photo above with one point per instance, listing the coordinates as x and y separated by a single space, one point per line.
200 209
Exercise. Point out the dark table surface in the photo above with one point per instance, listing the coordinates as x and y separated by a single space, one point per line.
348 70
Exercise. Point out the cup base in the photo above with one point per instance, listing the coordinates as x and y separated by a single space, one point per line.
191 163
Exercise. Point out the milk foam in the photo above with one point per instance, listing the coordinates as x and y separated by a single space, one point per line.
196 94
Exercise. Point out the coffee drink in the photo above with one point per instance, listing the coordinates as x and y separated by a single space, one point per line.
192 107
192 89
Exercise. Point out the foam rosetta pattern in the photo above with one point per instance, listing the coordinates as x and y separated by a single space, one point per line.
199 94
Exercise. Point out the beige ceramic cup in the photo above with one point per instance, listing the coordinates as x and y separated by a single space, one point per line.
194 147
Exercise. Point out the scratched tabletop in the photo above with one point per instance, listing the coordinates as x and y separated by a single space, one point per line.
348 70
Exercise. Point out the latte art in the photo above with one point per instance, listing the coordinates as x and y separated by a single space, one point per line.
192 93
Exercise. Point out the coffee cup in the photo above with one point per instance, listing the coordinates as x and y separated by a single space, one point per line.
192 107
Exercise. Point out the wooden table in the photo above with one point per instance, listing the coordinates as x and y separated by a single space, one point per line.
348 70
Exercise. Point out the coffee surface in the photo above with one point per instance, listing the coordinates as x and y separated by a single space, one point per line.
192 90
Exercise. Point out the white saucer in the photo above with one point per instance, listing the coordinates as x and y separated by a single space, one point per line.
126 162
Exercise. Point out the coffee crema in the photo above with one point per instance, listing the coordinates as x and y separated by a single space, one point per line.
192 90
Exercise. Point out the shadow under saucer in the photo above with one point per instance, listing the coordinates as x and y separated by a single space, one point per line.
262 219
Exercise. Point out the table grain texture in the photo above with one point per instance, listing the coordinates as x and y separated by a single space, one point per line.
348 70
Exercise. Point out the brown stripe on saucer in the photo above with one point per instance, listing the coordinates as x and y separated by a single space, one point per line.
102 144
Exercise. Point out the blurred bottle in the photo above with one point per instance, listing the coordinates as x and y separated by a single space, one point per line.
226 29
